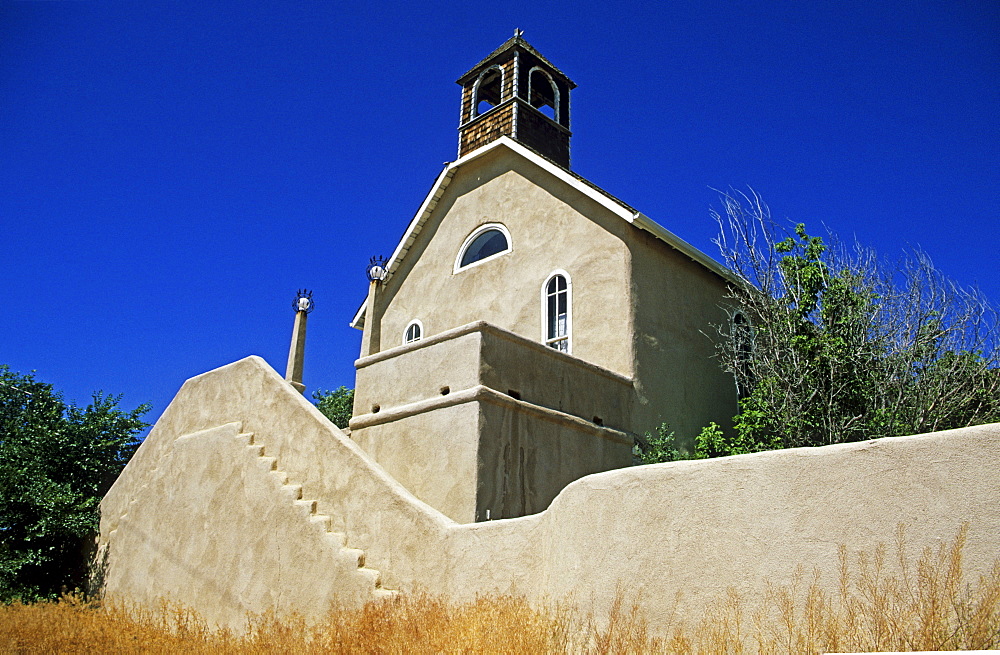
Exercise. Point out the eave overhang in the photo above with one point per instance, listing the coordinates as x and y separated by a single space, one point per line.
595 193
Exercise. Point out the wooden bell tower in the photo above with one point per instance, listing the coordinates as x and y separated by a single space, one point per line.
516 92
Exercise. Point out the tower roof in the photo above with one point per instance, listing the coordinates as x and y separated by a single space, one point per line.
516 41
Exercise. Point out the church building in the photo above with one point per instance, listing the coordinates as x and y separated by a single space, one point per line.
527 327
529 323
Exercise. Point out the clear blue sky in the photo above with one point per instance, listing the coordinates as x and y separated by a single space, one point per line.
171 173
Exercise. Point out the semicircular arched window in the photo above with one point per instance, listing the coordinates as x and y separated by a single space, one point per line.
485 243
414 332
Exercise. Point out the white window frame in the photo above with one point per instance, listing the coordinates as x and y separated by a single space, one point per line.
475 90
406 331
472 237
569 312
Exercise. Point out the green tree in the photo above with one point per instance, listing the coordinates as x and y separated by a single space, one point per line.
337 405
832 345
657 447
56 463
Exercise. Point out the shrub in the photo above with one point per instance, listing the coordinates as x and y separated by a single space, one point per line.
337 405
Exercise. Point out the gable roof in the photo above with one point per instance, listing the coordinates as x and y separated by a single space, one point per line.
588 189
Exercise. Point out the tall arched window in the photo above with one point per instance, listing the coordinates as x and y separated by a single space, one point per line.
413 332
556 312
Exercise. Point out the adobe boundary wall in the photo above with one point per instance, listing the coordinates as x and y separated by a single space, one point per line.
211 517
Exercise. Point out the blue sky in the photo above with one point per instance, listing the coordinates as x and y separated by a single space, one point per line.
171 173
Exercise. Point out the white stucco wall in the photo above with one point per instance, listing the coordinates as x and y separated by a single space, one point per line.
640 307
679 306
478 419
198 517
552 227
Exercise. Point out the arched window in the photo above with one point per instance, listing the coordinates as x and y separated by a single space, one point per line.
485 243
413 332
487 92
556 312
543 94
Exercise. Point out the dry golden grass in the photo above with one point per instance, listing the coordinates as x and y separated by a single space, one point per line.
876 607
406 624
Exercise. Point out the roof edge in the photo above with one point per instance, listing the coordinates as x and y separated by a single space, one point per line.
426 207
515 41
644 222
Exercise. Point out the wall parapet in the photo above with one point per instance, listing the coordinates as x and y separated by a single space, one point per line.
483 326
482 354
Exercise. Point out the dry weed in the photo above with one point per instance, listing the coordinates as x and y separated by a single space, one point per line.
926 607
876 609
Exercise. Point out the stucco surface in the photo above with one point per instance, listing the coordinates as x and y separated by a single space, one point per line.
640 307
552 227
481 353
678 306
525 461
433 454
205 525
417 371
178 533
423 411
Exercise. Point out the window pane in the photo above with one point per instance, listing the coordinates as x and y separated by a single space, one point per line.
551 321
413 333
488 243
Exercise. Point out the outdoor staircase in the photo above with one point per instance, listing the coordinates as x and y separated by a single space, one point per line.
323 523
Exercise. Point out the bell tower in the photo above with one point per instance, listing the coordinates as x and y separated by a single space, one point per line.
516 92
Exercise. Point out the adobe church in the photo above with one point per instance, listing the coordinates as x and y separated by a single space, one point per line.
527 325
535 318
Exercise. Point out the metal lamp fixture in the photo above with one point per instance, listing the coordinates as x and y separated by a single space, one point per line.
303 301
377 270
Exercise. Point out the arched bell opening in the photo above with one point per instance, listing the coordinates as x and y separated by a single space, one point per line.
543 94
488 91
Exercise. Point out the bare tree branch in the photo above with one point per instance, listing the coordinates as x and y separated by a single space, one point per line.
843 345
